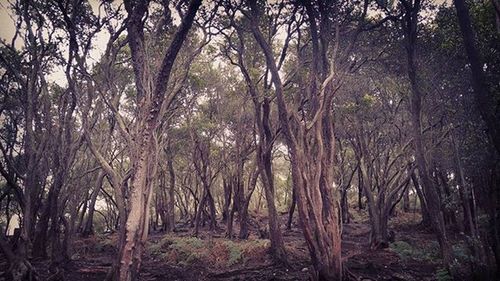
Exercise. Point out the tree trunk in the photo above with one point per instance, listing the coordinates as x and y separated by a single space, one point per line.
344 206
312 170
227 200
199 211
212 210
360 190
485 100
19 267
426 220
40 242
449 215
429 190
89 224
171 193
143 142
136 228
292 209
265 162
243 213
406 200
379 236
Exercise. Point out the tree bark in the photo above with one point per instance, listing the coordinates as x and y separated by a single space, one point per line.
144 150
410 24
171 199
89 224
292 209
317 204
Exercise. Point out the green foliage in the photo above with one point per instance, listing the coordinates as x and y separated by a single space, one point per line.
462 252
402 248
235 253
217 253
187 242
368 100
407 251
103 243
443 275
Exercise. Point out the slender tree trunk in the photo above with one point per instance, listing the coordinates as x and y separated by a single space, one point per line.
82 211
227 200
171 193
199 211
292 209
360 190
423 205
449 215
229 231
89 224
265 162
406 200
344 206
429 189
212 210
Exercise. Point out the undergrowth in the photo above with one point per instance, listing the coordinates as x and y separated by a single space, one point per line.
216 253
429 253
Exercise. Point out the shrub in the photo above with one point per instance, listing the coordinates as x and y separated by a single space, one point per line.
218 253
235 253
407 251
443 275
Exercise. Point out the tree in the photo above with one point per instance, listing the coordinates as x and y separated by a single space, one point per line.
410 27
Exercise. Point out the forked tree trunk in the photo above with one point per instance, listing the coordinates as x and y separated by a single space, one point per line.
142 143
264 159
312 172
378 217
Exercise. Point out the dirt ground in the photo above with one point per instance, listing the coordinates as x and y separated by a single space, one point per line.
210 256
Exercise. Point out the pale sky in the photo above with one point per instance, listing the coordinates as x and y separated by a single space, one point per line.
7 29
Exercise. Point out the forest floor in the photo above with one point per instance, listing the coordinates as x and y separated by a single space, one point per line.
210 256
